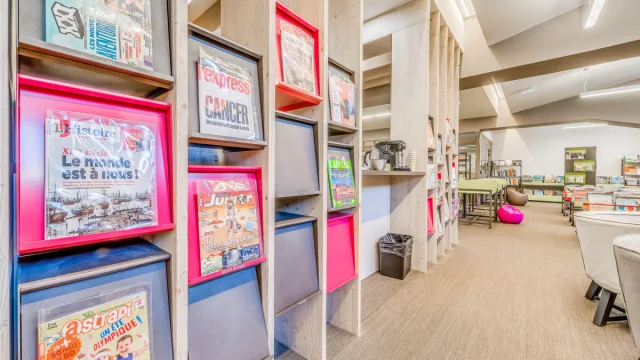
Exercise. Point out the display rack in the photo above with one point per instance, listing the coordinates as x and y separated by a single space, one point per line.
510 170
464 163
630 169
580 165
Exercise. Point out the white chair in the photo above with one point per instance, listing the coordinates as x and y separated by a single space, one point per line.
627 252
596 233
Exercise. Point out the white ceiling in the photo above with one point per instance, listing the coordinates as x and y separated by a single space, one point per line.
532 92
373 8
502 19
475 103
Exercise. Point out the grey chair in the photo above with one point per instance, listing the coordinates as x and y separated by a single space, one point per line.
596 233
627 252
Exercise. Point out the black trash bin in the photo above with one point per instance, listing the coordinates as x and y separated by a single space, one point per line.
395 255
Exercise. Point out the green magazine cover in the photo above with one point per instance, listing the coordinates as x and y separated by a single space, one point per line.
343 190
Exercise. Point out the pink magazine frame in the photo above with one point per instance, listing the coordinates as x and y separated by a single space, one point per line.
35 96
341 256
204 172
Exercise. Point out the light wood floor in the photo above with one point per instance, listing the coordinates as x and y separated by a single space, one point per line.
513 292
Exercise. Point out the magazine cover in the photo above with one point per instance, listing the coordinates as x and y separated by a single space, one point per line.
575 154
432 175
298 57
439 151
431 142
100 329
100 174
118 30
343 190
626 204
225 98
617 180
229 224
342 94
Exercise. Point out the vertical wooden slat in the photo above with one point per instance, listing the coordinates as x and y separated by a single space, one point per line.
442 107
434 106
409 121
251 23
344 44
5 179
175 242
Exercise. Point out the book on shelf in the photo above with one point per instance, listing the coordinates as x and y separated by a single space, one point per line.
119 31
342 96
439 223
298 57
527 178
584 165
527 191
560 179
617 180
550 179
575 154
558 193
632 181
632 158
549 192
341 183
431 141
537 179
631 170
228 223
623 204
538 192
226 98
600 198
603 180
115 323
432 176
101 182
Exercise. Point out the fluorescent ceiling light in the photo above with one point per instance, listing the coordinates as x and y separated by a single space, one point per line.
584 125
376 115
594 13
526 90
612 91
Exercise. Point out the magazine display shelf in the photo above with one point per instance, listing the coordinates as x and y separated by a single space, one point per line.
588 153
226 319
290 97
35 97
38 57
632 178
341 259
197 173
49 281
232 52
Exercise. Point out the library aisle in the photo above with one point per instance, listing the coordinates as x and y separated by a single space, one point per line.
513 292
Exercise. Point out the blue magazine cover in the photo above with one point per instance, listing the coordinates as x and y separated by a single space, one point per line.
117 30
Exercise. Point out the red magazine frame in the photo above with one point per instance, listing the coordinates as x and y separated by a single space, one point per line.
204 172
341 256
35 96
296 98
430 217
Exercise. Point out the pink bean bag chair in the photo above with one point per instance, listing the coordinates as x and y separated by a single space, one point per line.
510 215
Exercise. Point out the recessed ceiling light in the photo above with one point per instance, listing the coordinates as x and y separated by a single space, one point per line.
526 90
594 13
613 91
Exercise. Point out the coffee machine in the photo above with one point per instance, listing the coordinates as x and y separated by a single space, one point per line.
392 151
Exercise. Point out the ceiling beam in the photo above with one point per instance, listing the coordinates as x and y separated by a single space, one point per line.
395 20
589 58
376 61
368 84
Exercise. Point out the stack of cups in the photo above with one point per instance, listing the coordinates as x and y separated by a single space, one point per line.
412 160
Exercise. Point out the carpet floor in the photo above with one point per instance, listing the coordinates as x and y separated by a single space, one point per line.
512 292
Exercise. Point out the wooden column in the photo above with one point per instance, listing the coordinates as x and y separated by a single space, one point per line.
6 256
434 103
344 41
409 121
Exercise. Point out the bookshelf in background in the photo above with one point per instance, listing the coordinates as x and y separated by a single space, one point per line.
631 169
543 188
510 170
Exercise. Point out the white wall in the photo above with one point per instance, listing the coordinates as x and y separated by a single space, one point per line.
375 221
541 149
